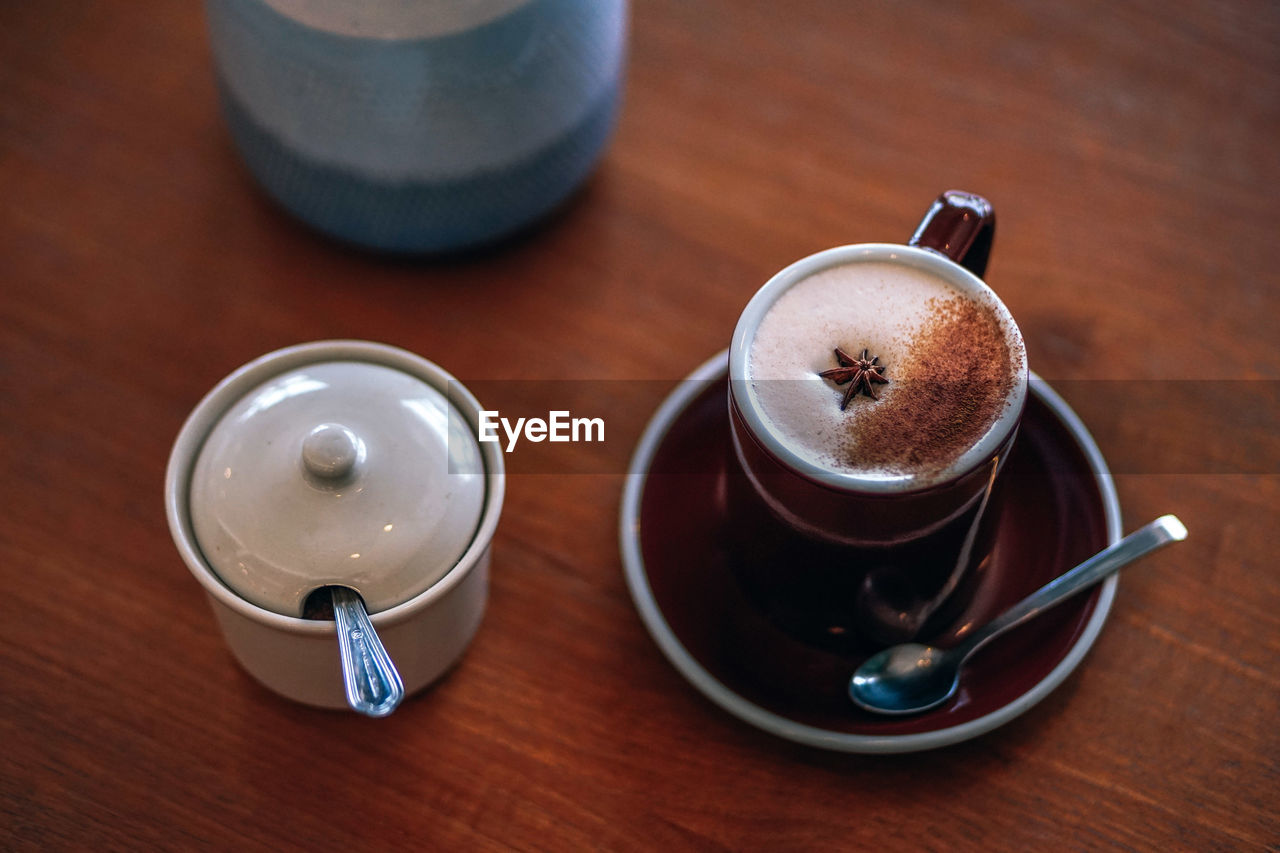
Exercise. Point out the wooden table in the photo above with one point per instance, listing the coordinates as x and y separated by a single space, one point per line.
1130 149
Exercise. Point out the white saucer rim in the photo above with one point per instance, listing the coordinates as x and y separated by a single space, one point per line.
655 622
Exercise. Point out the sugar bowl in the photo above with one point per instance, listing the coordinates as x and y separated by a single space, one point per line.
336 506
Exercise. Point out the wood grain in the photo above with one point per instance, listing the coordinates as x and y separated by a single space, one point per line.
1129 149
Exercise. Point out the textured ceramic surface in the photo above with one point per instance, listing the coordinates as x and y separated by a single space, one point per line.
425 633
419 127
339 472
1062 508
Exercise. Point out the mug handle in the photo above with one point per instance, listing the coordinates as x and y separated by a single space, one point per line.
961 226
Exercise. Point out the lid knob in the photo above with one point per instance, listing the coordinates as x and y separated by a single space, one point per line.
331 453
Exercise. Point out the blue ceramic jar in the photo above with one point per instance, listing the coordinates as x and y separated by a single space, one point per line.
419 125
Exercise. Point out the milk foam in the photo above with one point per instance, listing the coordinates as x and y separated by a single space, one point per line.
883 307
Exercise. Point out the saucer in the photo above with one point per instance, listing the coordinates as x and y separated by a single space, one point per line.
1061 507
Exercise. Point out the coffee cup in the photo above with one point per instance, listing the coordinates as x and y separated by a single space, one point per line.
875 392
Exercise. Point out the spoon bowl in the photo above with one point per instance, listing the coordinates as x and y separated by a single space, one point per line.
910 673
911 677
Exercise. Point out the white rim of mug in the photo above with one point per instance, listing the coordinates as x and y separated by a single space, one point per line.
710 687
911 256
210 409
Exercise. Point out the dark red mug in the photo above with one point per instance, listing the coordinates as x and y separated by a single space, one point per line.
839 556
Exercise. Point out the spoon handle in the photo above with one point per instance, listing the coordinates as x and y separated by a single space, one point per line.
372 683
1143 541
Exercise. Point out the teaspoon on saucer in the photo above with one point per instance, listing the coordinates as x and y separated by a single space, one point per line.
911 677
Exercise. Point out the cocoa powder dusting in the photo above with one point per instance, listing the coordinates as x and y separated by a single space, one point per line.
943 397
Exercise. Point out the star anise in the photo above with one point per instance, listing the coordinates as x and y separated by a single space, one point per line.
860 373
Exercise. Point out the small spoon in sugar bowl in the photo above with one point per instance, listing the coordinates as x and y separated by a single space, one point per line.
371 681
911 677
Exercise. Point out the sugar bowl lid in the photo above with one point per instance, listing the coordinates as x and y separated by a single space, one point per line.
345 472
